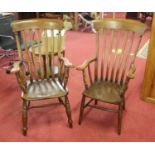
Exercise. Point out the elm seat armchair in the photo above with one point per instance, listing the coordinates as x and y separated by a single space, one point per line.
117 43
35 72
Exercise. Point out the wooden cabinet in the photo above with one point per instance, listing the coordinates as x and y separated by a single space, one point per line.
148 90
26 15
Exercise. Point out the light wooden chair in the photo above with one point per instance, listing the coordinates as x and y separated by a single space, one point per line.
117 43
35 69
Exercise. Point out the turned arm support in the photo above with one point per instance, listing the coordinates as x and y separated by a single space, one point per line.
67 65
131 72
83 67
14 67
130 75
85 64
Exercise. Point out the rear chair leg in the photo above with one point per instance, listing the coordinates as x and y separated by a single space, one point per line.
120 118
68 111
81 109
95 102
24 117
61 101
123 104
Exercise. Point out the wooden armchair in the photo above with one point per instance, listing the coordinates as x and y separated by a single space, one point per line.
117 43
35 69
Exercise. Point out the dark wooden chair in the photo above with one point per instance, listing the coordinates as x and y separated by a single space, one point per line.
35 70
117 43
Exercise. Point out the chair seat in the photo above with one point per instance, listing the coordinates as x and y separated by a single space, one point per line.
104 91
44 89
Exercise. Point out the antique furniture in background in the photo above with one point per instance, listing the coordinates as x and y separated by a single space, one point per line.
86 21
26 15
7 37
52 15
35 72
148 89
117 43
7 41
145 15
132 15
139 15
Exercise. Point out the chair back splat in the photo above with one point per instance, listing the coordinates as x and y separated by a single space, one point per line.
117 43
40 65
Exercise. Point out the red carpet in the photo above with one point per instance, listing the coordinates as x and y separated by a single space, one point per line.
50 124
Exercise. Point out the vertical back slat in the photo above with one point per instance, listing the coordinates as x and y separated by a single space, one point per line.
41 64
22 72
109 53
33 55
137 48
52 54
97 53
59 54
115 54
18 46
46 54
27 55
121 56
128 53
103 54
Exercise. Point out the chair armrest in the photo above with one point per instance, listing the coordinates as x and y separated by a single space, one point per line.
85 64
67 63
14 67
130 74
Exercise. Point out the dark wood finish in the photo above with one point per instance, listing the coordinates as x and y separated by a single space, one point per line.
132 15
52 15
113 64
36 76
26 15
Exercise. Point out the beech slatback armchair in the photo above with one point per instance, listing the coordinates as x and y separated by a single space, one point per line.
117 43
36 69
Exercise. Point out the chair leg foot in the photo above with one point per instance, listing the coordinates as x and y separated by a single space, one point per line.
124 107
70 122
120 119
24 131
81 109
24 117
68 111
123 104
60 100
95 102
80 120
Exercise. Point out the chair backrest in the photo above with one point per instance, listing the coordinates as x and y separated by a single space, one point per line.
39 62
117 43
